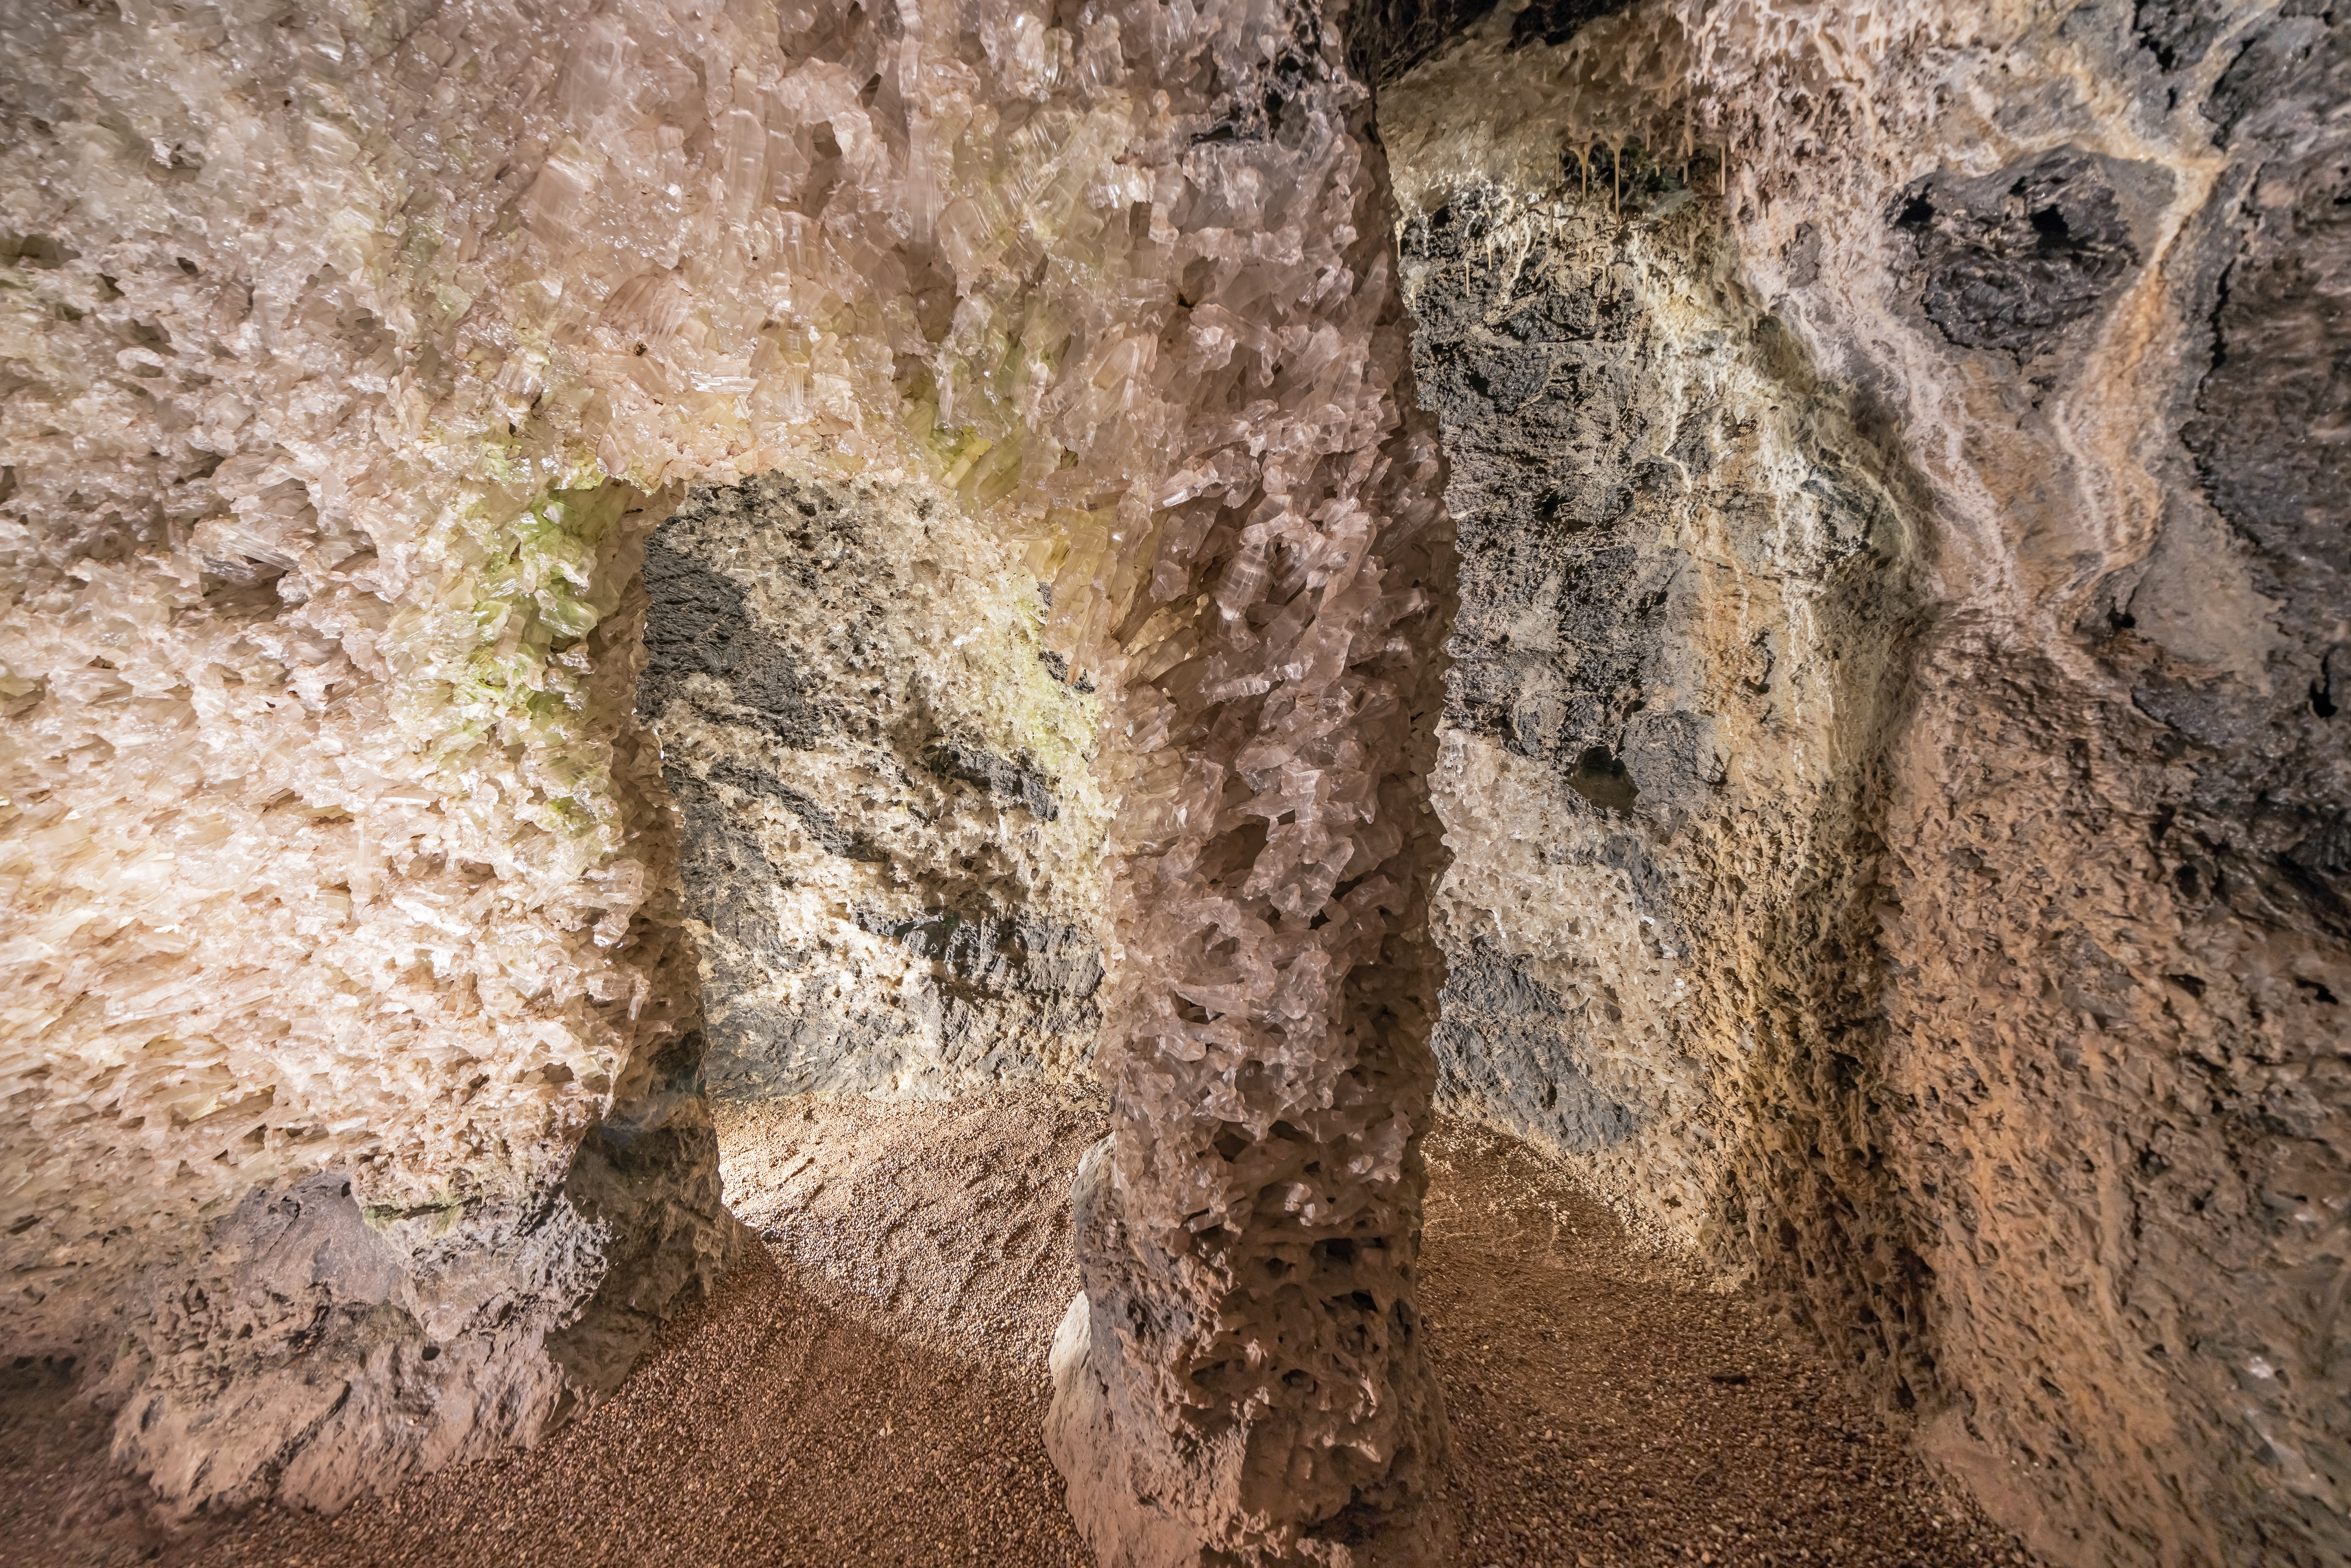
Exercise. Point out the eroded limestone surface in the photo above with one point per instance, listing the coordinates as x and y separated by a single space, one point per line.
1965 967
315 1351
1682 576
892 852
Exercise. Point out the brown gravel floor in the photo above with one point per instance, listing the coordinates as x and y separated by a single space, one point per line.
868 1386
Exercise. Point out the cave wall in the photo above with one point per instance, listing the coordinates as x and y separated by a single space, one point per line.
2176 1066
892 829
1684 588
354 356
351 357
1980 1002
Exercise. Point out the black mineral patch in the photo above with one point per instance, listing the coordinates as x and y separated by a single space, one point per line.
999 953
2265 436
1511 377
1556 21
1020 782
2011 261
697 624
2179 32
1482 980
753 784
1505 1051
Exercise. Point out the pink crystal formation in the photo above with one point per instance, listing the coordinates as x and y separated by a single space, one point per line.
1242 1379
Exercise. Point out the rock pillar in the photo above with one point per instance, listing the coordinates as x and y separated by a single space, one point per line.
1241 1379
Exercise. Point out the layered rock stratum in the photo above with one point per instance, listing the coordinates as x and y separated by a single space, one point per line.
1751 591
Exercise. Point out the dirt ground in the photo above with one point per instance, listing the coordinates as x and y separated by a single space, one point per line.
868 1389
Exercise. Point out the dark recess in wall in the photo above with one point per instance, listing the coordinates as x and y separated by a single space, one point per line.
2011 260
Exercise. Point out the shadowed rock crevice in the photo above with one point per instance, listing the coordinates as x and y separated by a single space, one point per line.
2011 261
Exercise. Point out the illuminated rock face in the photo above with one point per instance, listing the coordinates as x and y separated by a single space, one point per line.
1241 1378
1891 764
1684 585
891 861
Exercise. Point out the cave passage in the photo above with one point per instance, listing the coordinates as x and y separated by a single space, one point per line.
1393 784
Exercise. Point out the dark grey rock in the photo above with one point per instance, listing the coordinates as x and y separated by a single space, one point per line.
2179 32
1560 449
697 625
960 757
1507 1046
1386 38
1557 21
2011 260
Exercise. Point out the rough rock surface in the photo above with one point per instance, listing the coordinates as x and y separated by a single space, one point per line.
867 1389
1895 826
354 354
1242 1378
2140 805
892 829
332 855
1680 575
367 1351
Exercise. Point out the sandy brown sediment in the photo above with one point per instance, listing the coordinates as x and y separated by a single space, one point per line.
1610 1409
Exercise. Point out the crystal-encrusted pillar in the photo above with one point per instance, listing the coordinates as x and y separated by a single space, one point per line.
1241 1379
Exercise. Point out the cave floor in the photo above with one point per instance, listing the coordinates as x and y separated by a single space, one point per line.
868 1387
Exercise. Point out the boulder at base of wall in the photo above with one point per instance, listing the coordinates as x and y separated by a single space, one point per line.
368 1348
